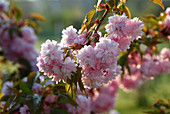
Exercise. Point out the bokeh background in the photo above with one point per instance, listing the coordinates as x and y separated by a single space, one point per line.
62 13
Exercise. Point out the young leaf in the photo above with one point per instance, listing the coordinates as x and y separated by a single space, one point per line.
34 103
17 12
125 9
37 16
58 111
89 20
32 77
70 89
159 2
112 3
25 89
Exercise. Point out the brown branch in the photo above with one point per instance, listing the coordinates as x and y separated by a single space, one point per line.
102 19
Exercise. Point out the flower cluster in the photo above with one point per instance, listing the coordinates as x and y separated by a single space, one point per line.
98 59
147 68
17 47
167 19
4 6
123 30
99 64
51 62
99 101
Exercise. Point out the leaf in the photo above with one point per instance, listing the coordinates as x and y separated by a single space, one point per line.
125 9
32 77
6 97
159 2
25 89
69 89
123 62
34 103
89 20
58 111
112 3
81 85
8 102
59 87
24 71
67 100
37 16
17 12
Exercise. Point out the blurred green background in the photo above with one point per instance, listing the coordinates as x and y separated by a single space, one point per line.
62 13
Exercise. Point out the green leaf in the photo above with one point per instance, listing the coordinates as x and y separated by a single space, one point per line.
17 12
58 111
112 3
125 9
8 102
59 87
24 71
6 97
123 62
89 20
67 100
32 77
159 2
69 89
25 89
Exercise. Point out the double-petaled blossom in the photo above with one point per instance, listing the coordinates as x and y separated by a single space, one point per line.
70 36
104 99
124 30
167 21
167 11
99 63
84 105
134 79
147 68
51 61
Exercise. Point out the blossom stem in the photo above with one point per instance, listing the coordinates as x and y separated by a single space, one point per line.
102 19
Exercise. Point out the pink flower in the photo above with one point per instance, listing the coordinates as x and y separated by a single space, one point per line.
133 28
51 98
104 99
99 64
84 105
4 6
28 34
121 27
51 62
116 23
69 36
167 11
165 53
167 21
5 87
130 82
124 43
15 47
150 66
24 110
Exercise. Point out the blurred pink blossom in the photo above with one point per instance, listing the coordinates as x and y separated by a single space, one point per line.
4 6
